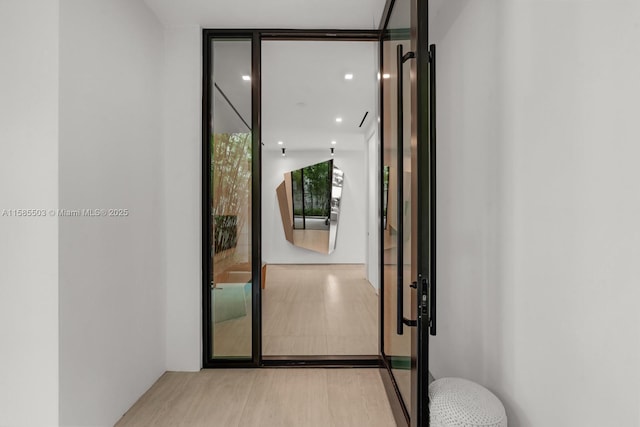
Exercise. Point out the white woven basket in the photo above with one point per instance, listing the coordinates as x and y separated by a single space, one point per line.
456 402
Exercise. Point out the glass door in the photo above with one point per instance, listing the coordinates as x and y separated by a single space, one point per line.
230 195
409 199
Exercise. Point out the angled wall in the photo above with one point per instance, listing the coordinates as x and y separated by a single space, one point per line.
112 288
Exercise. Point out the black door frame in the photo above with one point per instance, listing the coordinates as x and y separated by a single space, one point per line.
207 226
426 255
257 36
423 126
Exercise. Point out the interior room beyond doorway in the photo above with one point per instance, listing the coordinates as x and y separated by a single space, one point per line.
320 107
319 310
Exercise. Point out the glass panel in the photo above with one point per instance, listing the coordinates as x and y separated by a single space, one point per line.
231 302
333 308
397 348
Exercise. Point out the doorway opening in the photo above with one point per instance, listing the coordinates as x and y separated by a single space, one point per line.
319 200
235 164
249 199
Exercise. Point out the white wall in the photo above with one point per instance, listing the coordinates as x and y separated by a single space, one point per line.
538 207
182 143
469 189
112 286
351 240
182 164
29 245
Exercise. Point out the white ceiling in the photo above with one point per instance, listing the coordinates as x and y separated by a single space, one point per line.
303 14
303 82
303 91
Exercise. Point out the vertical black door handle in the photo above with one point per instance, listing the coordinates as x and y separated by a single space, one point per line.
401 58
399 199
432 143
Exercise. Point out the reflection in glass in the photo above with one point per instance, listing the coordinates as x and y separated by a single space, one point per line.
311 187
309 201
385 195
230 200
397 348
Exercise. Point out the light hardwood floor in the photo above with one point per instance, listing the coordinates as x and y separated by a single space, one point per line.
308 310
319 310
264 398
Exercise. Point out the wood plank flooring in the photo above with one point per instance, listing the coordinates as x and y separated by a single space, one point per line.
319 310
264 398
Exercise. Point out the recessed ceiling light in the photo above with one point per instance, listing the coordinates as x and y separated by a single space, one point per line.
338 119
386 76
246 78
333 143
348 76
280 142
